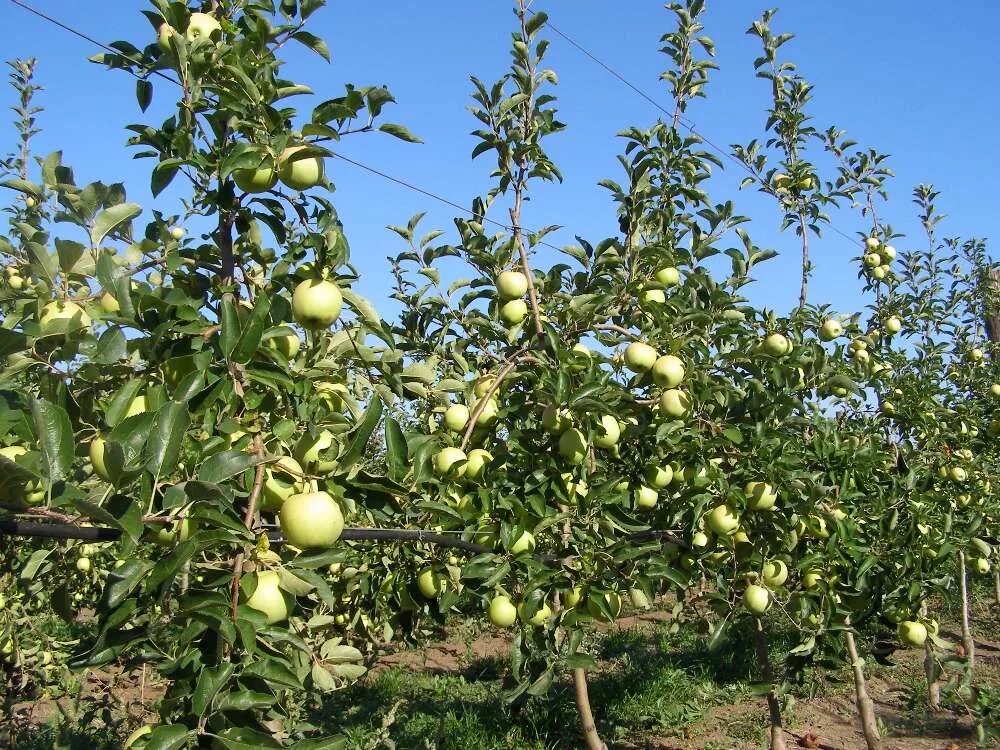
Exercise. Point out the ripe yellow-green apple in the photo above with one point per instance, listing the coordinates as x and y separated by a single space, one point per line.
281 480
652 297
668 371
488 414
503 613
268 598
888 252
646 497
83 564
15 281
995 389
640 357
893 324
456 417
177 233
541 616
888 407
575 488
880 273
912 633
61 318
582 358
760 496
523 544
976 354
97 448
514 311
109 304
608 432
775 573
475 464
781 181
958 474
668 276
556 420
659 476
283 340
573 446
756 599
331 395
450 462
723 520
202 25
573 597
873 260
430 583
255 180
316 303
638 598
860 356
813 578
830 329
163 34
777 345
311 519
484 384
981 565
872 243
298 170
177 531
611 600
512 285
675 403
309 452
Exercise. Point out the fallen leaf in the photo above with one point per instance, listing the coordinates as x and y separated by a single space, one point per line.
809 740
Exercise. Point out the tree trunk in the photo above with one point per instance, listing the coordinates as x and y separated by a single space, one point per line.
996 583
932 672
967 643
866 709
590 735
773 706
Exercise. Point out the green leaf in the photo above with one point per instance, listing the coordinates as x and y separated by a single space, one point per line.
396 448
227 464
210 681
143 93
274 672
111 347
399 132
230 334
163 174
122 582
167 737
245 700
164 445
249 340
55 438
111 219
313 42
362 434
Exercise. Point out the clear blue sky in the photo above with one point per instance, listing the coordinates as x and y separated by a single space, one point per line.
914 79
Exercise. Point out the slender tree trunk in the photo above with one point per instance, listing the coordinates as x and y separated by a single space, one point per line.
773 706
806 263
590 735
866 709
996 583
932 671
963 586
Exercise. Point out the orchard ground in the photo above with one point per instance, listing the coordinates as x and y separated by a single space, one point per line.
658 687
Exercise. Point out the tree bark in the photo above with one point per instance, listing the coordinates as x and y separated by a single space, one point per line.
773 705
967 642
866 709
996 584
590 736
932 671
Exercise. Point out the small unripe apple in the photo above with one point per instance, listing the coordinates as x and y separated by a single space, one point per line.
668 276
430 583
912 633
646 497
880 273
572 597
83 564
830 329
976 354
893 324
450 463
756 599
514 311
311 519
640 357
958 474
268 598
981 565
512 285
109 304
777 345
668 371
202 25
675 403
723 520
573 446
177 232
523 544
556 420
456 417
699 539
608 432
316 303
300 171
503 613
813 578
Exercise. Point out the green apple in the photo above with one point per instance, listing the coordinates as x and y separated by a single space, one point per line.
475 465
488 414
668 276
83 564
316 303
450 463
646 497
523 544
777 345
281 480
830 329
640 357
97 448
268 598
163 34
912 633
699 539
298 170
880 273
976 354
556 420
484 384
177 233
813 578
775 573
514 311
512 285
611 599
659 476
981 565
572 597
958 474
638 598
609 431
573 446
888 253
781 181
541 616
760 496
653 297
756 599
872 243
61 318
668 371
109 304
283 340
995 389
503 613
893 324
202 25
456 417
575 488
331 395
722 519
309 452
311 519
861 356
430 583
675 403
255 180
873 260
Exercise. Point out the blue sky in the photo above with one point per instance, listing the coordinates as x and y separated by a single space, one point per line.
914 80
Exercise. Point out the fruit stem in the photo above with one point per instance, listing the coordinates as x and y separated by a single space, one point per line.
866 708
967 641
773 705
590 735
